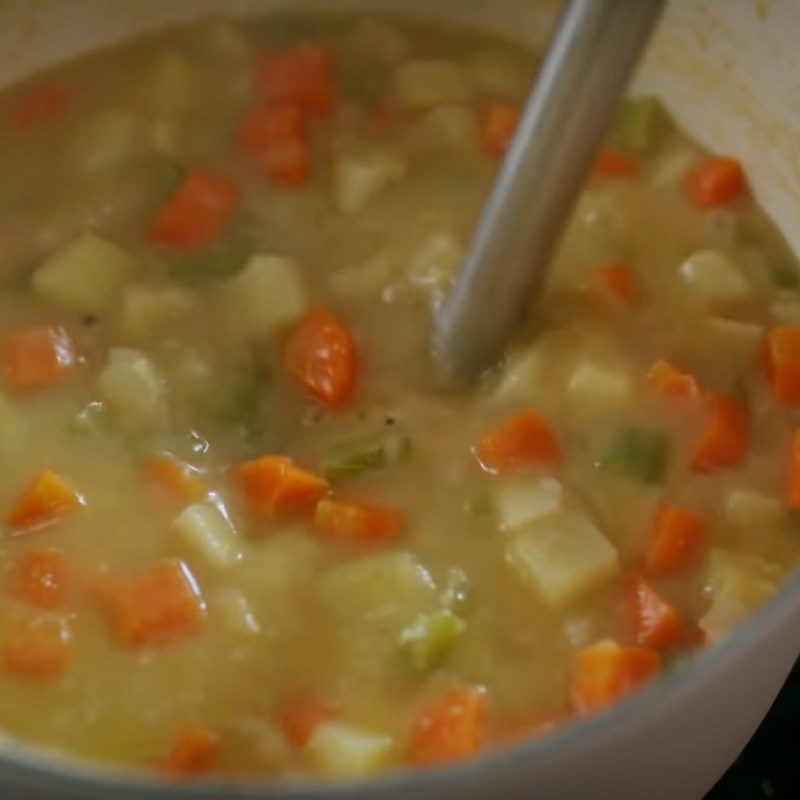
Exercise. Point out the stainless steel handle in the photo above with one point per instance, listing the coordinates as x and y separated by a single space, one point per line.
593 54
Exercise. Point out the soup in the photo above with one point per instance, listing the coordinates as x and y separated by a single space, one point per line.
246 530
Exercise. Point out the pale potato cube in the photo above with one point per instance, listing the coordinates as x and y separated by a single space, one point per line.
716 279
425 83
500 74
434 261
388 587
563 555
723 615
373 38
750 579
450 126
133 388
523 501
209 532
88 274
235 611
524 371
599 387
746 509
343 751
671 168
108 140
359 177
148 310
740 339
267 294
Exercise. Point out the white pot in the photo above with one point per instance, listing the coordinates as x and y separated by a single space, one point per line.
728 72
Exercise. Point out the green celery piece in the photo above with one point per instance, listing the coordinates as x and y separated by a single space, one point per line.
430 637
637 125
786 275
365 455
637 453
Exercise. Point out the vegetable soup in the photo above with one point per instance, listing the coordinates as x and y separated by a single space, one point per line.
245 530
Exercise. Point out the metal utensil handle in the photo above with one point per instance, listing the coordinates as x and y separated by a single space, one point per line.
593 54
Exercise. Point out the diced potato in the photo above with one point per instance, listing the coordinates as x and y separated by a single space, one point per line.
88 274
600 387
148 310
746 509
499 74
165 137
786 312
391 588
358 177
739 583
133 389
108 140
723 615
208 531
715 278
450 126
740 339
342 751
434 262
267 294
424 83
174 84
671 168
563 556
523 372
523 501
233 608
375 39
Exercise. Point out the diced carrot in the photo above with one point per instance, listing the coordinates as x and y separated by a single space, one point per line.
47 499
654 621
499 124
275 140
521 441
782 351
613 164
275 485
356 523
606 672
321 355
675 541
672 382
615 281
194 752
158 607
304 75
717 181
175 480
40 105
303 714
725 436
36 357
197 213
41 579
451 728
793 487
38 648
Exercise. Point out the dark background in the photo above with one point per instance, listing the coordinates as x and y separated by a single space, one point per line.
769 767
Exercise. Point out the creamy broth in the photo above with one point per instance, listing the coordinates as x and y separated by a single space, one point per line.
220 249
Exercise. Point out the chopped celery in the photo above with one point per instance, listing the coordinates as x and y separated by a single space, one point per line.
786 275
343 751
638 123
429 637
208 531
637 453
365 455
